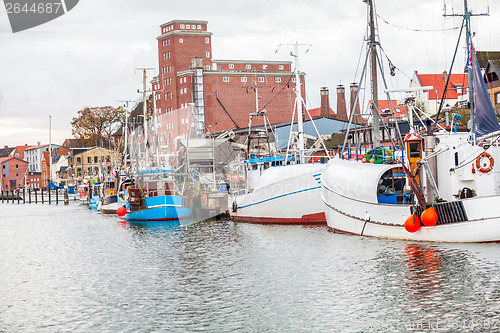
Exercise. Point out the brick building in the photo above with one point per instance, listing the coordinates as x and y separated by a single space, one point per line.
221 93
87 163
13 173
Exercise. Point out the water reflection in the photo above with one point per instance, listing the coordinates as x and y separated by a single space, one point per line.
70 269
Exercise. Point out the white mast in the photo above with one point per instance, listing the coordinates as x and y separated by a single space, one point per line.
298 102
50 149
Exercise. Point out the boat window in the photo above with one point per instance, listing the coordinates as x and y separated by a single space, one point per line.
414 149
391 187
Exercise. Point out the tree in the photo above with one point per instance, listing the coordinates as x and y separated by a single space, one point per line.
96 124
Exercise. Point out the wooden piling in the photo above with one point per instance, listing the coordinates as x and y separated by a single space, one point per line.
42 194
24 196
36 197
29 195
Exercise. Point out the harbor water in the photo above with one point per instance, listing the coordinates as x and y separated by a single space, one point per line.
69 269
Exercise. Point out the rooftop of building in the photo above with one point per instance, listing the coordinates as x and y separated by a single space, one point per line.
438 81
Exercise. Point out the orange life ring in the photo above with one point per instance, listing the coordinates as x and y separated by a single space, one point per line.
485 167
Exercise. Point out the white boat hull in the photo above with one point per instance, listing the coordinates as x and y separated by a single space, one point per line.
288 194
347 214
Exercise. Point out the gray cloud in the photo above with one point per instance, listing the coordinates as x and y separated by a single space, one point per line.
87 57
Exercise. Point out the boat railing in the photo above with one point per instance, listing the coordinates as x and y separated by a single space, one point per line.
358 153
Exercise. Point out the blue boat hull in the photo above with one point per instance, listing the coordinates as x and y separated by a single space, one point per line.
94 202
161 208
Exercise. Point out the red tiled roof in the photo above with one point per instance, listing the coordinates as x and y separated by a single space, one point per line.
438 82
398 110
317 112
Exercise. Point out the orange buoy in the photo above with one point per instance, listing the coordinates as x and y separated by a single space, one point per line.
372 160
121 211
412 223
429 217
364 159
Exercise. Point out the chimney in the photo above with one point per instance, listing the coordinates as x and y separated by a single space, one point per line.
445 76
354 92
38 143
325 102
341 105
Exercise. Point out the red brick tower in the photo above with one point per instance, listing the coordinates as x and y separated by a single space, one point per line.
341 104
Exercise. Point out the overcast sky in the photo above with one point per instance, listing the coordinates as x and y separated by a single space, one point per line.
87 57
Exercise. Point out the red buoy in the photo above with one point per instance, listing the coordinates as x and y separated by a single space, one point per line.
121 211
429 217
412 223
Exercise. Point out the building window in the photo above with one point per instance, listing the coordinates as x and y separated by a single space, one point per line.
207 67
248 66
181 91
243 79
281 67
225 79
17 166
95 157
199 27
294 79
188 26
264 66
231 66
89 159
182 26
181 40
277 79
185 90
261 79
208 54
207 40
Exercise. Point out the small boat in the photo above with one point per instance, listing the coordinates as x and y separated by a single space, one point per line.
153 198
83 191
447 190
111 200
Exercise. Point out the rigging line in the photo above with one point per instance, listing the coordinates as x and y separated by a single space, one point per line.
389 60
279 92
414 29
449 76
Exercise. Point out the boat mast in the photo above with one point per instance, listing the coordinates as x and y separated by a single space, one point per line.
50 149
373 58
468 39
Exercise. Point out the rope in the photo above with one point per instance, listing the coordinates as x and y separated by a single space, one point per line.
418 30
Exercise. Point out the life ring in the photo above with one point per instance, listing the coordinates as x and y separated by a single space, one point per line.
484 167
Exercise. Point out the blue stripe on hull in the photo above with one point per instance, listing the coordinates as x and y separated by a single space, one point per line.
279 196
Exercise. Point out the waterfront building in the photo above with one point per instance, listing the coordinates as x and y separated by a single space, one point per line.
90 162
221 92
13 173
456 91
34 156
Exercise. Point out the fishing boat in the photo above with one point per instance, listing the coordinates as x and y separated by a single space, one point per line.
274 188
447 188
153 198
83 190
154 195
111 200
95 193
